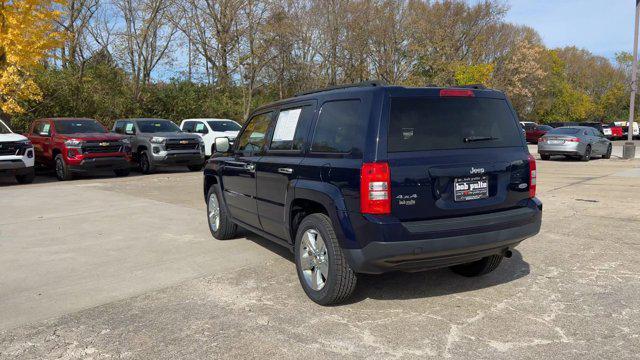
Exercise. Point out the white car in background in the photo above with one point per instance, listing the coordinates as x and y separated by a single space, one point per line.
210 129
16 155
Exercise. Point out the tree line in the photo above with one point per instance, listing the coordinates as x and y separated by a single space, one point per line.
221 58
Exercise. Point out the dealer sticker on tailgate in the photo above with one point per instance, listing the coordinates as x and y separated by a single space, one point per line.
471 188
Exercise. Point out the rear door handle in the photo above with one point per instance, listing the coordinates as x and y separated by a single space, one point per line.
287 171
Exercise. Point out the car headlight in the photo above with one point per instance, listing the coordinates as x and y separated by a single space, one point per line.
73 143
157 140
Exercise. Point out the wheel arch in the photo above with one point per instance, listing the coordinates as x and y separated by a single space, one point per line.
319 197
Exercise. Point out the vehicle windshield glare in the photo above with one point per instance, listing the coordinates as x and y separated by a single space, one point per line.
224 126
4 129
85 126
564 131
157 126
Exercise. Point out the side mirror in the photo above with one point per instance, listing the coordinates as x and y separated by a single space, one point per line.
222 144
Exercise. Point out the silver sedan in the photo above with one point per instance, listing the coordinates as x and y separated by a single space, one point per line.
574 141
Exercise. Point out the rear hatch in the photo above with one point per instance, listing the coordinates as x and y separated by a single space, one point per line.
455 155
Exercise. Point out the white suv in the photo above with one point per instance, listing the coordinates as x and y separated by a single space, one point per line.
16 155
210 129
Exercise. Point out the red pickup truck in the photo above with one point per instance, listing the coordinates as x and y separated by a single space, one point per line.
76 145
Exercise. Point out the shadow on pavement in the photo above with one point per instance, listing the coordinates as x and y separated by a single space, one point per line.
404 285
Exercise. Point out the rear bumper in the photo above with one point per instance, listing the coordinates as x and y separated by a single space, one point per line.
564 149
486 235
101 164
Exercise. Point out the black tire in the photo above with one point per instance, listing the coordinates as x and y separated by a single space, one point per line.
26 178
195 167
122 172
478 268
144 163
607 155
545 157
226 229
62 170
587 154
341 279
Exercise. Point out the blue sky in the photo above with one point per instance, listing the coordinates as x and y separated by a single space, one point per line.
603 27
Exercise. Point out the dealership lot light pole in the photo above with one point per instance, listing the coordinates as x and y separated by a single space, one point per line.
629 150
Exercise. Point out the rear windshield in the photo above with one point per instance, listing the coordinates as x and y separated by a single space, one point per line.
564 131
418 124
224 126
157 126
78 127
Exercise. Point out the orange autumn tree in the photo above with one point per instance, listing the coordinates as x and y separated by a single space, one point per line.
27 35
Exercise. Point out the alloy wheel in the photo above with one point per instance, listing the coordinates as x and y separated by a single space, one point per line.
314 260
214 213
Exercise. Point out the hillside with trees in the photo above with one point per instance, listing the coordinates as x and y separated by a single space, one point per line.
221 58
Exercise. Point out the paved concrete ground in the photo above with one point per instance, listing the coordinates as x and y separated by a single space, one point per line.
125 268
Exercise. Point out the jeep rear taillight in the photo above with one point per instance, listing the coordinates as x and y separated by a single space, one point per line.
533 176
375 188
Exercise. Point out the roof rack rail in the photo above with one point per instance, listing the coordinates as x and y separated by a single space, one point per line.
473 86
371 83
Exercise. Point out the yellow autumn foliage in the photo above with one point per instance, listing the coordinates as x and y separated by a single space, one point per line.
27 35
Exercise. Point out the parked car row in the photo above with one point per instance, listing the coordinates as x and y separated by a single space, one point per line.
80 145
534 131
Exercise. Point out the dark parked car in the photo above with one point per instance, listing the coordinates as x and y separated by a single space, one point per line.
370 178
536 132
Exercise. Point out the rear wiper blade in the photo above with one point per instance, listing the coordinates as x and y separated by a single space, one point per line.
479 138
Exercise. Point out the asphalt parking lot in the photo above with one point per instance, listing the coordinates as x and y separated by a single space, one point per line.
126 268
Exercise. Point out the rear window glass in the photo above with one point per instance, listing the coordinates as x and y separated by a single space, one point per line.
418 124
339 128
564 131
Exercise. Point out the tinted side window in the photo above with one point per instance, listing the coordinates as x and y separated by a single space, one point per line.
119 127
129 128
188 126
340 128
200 128
289 130
42 128
253 137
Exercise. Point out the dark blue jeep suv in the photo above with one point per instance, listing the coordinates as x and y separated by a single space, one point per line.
369 178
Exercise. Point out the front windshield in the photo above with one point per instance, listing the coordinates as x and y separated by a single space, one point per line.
224 126
4 129
78 127
563 131
157 126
